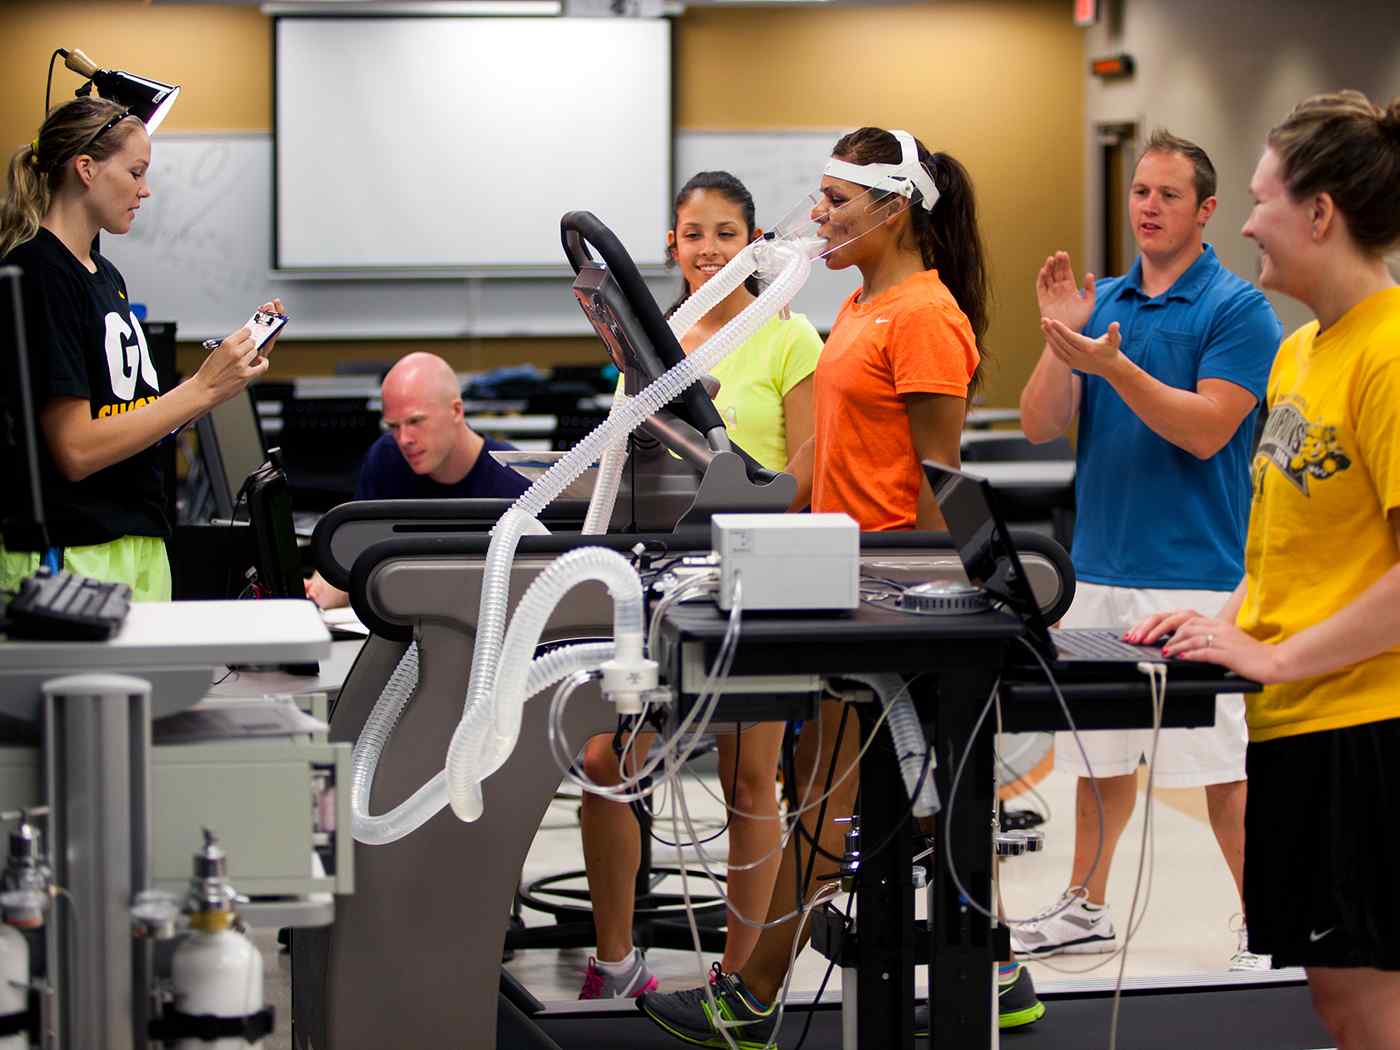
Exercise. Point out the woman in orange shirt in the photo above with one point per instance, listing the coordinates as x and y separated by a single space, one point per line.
904 353
891 391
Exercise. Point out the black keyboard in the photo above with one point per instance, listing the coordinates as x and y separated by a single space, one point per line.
1084 643
61 605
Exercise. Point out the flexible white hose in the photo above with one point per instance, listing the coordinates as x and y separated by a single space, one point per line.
910 747
714 291
604 498
487 733
697 304
411 814
792 263
505 537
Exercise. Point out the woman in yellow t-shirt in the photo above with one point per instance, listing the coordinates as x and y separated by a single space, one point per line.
765 400
1315 617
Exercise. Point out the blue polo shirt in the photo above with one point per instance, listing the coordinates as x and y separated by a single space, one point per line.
387 475
1150 514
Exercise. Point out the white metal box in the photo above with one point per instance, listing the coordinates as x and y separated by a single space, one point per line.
788 561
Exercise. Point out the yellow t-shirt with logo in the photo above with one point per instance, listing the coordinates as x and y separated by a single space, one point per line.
755 378
1326 476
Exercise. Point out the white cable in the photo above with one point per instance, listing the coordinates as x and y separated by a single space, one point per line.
706 860
805 910
1149 830
1157 683
701 711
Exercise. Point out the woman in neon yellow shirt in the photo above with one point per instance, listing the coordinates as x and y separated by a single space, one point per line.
765 400
1315 618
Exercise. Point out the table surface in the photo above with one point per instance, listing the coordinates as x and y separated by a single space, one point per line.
335 668
183 634
172 645
1050 473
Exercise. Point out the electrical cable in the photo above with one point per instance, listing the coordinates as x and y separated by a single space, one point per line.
1149 845
804 910
728 810
1158 687
957 779
821 988
702 711
48 85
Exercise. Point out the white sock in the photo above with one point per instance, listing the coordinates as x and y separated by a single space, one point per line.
622 967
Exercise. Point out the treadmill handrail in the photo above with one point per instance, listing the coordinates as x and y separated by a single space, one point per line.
580 229
690 540
417 516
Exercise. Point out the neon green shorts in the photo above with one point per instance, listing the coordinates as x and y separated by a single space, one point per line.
139 561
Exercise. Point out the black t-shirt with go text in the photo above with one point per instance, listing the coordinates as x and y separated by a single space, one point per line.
84 342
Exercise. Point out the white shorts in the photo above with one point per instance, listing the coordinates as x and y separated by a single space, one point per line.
1185 757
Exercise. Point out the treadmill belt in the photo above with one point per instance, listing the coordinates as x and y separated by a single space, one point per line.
1276 1017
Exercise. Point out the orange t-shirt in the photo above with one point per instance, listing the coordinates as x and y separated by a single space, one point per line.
911 339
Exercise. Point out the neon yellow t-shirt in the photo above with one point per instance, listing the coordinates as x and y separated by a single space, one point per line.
755 378
1326 475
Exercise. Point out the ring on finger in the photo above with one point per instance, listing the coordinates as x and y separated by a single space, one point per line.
1210 640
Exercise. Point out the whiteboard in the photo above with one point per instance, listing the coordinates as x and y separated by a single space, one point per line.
453 142
200 251
779 168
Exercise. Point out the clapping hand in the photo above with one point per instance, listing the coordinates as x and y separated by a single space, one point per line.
1092 356
1059 297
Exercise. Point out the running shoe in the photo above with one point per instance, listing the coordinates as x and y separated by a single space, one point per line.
1072 927
600 983
1244 959
688 1015
1017 1005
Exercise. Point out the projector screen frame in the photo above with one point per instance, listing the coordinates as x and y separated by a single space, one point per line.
646 244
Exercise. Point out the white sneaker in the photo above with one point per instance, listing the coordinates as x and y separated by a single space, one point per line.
1072 927
1244 959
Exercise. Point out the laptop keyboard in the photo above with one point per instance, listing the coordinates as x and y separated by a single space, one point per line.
1091 644
63 605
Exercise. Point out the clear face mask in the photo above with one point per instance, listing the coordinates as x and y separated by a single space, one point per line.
823 225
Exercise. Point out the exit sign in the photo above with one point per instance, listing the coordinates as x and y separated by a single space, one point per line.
1086 12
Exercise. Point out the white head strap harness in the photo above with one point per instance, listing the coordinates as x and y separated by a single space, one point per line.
902 178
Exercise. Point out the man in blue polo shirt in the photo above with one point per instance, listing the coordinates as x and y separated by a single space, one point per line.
1165 368
429 451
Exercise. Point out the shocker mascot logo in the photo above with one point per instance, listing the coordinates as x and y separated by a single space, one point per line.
1299 449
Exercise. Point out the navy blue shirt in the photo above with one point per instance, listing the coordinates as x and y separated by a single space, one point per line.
387 475
1150 514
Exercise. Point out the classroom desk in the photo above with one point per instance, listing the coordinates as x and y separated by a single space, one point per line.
982 418
1053 475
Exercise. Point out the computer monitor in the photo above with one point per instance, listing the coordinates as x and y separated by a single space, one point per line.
230 448
22 510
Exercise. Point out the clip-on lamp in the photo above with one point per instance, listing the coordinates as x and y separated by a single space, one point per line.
150 100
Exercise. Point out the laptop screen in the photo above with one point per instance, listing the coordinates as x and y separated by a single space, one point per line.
985 546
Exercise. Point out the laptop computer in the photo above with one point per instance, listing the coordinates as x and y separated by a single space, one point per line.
988 554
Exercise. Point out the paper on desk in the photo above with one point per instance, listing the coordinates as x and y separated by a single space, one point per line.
235 720
343 619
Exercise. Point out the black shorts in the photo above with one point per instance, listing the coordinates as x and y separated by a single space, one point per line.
1322 848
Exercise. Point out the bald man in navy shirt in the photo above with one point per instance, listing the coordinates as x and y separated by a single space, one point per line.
429 451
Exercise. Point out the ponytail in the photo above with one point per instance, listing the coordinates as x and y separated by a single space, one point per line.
27 198
950 242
